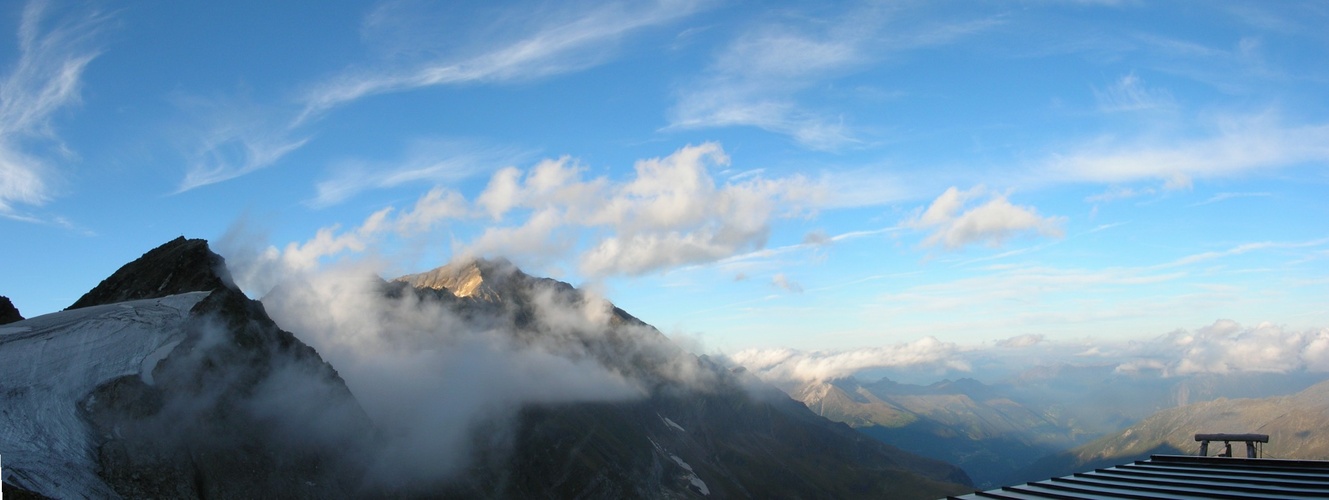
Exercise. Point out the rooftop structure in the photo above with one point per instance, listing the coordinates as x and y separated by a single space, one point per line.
1174 476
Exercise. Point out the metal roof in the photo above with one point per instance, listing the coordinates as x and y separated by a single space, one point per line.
1173 476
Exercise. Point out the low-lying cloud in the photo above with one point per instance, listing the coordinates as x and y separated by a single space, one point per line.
791 365
1227 347
429 378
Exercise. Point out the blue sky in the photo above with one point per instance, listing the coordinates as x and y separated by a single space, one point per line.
742 175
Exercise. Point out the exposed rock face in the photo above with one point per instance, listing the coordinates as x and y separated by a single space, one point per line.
201 394
481 279
727 435
239 409
214 400
8 313
177 267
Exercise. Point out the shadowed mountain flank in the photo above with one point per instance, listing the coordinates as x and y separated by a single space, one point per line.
166 382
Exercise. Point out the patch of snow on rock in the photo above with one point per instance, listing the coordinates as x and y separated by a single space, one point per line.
671 423
692 476
51 362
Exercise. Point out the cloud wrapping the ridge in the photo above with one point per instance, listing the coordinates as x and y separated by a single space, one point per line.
413 365
790 365
954 225
52 56
413 362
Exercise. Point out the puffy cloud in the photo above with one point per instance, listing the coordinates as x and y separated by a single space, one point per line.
1225 346
790 365
782 281
992 222
1020 341
672 212
52 55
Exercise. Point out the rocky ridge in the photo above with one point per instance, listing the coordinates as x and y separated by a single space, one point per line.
216 400
8 313
193 411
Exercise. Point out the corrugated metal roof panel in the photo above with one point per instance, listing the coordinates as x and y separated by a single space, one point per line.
1182 477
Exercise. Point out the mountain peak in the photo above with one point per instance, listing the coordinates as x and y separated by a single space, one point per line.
178 266
478 278
8 313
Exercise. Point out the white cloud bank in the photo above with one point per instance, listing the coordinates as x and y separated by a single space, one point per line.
1227 347
790 365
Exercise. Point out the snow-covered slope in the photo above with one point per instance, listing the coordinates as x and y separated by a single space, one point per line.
52 362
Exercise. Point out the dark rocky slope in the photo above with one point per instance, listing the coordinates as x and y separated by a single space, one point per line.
729 436
178 266
238 407
232 411
8 313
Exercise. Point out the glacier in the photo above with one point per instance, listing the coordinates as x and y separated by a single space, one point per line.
54 361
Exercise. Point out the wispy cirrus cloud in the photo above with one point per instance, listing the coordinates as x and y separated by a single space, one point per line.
1129 93
552 42
436 161
48 75
539 43
1221 197
1231 146
238 140
757 79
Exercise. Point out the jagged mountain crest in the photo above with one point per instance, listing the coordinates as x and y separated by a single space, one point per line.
165 380
232 405
478 278
8 313
179 266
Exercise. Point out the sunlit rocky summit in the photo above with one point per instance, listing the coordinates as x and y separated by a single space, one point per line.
472 380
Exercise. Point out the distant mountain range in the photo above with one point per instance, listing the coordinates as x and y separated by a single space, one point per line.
996 432
1297 426
166 381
